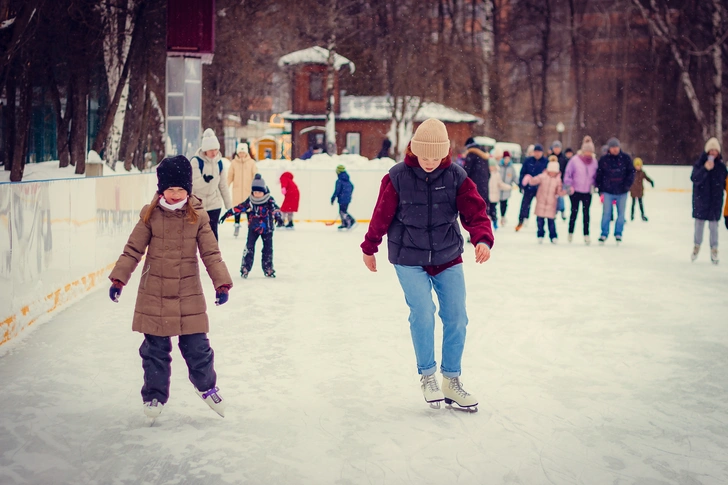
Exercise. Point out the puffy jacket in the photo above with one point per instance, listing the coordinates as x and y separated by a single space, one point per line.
508 176
240 174
495 186
638 190
210 185
291 193
615 174
262 214
343 189
170 300
532 167
563 161
476 166
549 189
708 187
581 174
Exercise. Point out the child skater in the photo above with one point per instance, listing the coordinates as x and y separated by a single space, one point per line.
637 191
263 213
290 202
170 301
549 190
418 207
343 191
495 186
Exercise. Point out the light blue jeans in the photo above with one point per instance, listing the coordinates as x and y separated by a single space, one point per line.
450 289
607 214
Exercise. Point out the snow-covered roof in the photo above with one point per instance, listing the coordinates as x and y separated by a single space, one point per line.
380 108
314 55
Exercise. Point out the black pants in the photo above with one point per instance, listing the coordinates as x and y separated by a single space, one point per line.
503 207
585 199
157 364
346 219
237 217
214 218
493 211
249 253
642 207
528 196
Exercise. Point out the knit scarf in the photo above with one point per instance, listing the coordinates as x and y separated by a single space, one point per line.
173 207
259 201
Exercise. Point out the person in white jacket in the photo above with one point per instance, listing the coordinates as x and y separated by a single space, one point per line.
209 178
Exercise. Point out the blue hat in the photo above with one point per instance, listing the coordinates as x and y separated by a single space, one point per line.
538 147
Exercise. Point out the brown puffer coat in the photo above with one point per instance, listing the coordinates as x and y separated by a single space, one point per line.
637 190
170 300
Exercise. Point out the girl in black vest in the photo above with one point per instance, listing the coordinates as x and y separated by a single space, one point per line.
418 207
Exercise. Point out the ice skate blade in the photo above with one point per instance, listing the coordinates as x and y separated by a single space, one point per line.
435 404
450 404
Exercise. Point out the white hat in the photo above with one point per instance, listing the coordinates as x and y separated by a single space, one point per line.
553 167
209 141
712 144
242 148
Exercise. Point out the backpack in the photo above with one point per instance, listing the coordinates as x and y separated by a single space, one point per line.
202 164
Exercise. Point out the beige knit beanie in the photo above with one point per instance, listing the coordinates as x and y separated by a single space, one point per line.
712 144
431 140
587 145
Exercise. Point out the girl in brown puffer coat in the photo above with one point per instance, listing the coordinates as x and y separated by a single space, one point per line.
637 191
170 301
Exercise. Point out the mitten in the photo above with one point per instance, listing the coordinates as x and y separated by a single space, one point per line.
115 290
221 295
526 180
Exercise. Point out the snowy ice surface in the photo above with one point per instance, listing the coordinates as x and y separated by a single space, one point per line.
593 365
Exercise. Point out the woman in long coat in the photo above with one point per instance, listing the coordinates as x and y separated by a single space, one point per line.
240 175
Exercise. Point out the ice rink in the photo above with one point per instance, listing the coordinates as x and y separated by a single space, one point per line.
593 365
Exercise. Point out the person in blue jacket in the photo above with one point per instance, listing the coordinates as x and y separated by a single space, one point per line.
343 190
615 175
532 166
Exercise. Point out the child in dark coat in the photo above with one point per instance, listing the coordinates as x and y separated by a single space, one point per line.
263 213
343 191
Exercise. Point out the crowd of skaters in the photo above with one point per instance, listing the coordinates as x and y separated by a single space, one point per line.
549 176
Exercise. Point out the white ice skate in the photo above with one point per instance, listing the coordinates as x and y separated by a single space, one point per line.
714 255
504 221
237 229
555 240
540 240
431 391
587 240
696 250
213 399
570 237
453 390
153 408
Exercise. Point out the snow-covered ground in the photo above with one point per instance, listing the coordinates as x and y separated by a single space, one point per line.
593 365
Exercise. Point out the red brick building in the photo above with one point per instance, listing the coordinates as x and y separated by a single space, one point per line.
362 122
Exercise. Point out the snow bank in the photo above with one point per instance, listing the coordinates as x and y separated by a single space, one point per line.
34 172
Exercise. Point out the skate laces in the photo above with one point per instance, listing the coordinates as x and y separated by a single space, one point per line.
430 383
457 386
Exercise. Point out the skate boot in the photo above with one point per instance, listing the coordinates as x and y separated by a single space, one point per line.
587 240
619 239
644 218
555 240
244 272
696 250
602 240
153 408
213 399
237 229
570 237
504 221
289 225
540 240
453 391
431 391
270 273
714 255
519 226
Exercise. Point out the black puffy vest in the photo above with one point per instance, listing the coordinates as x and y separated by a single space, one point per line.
425 229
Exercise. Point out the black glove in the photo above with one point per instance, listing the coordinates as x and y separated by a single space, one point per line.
225 216
653 184
221 296
726 222
115 291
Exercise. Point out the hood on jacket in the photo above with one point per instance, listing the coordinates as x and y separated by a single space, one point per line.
286 178
344 177
202 155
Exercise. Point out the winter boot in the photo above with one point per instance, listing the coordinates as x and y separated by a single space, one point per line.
431 390
453 392
519 226
237 229
289 225
269 273
213 399
153 408
644 218
618 238
555 240
696 250
570 237
714 254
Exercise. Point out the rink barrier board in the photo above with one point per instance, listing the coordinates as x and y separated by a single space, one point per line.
44 223
59 240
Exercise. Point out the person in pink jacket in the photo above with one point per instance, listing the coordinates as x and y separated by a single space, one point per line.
579 180
549 191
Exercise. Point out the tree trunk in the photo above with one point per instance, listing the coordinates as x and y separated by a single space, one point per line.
9 113
718 74
62 119
330 99
20 150
576 63
545 63
79 124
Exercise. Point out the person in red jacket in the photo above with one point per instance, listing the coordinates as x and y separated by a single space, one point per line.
418 207
291 200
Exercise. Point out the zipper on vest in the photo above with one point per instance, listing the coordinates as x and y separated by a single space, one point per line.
429 216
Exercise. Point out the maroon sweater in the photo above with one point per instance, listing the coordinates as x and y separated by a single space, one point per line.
470 204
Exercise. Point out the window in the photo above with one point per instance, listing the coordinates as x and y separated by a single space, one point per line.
353 143
316 86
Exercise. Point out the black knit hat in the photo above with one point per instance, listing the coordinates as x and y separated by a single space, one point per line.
174 172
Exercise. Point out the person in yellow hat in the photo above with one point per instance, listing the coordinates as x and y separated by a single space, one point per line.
638 191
